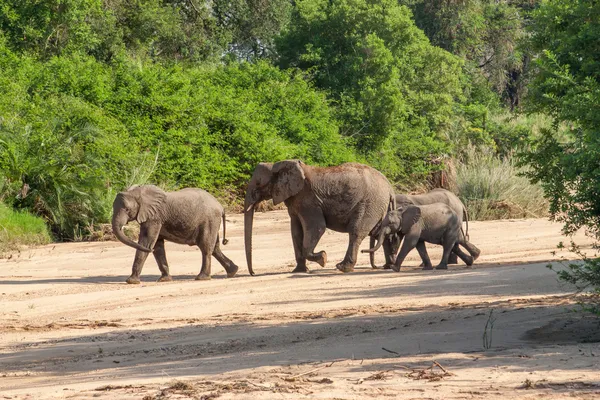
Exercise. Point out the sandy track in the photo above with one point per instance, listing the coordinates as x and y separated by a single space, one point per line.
70 325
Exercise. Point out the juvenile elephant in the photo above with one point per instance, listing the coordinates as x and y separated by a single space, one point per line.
188 216
350 198
439 195
434 223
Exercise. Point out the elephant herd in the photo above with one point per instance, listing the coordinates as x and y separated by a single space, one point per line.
350 198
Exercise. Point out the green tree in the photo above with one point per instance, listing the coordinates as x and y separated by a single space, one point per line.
393 90
487 34
566 85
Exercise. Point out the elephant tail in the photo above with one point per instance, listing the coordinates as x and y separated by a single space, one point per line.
225 241
392 204
466 217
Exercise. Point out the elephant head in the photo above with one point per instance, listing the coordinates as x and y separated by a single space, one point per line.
140 203
400 220
279 182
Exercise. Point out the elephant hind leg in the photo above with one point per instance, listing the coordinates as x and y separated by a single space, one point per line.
453 258
161 259
463 256
206 242
229 265
349 261
314 226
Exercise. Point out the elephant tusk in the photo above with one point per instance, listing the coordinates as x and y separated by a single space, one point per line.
250 207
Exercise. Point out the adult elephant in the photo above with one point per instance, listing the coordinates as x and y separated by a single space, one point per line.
351 198
392 243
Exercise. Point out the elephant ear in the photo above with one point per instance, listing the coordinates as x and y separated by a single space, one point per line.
151 200
288 180
410 216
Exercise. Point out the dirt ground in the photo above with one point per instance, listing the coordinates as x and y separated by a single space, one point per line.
71 328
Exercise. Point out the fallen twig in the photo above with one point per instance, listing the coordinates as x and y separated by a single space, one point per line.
291 378
442 368
390 351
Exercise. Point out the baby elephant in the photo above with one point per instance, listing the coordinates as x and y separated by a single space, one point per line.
434 223
188 216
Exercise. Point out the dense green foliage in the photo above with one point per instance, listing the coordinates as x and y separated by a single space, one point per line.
389 83
567 87
76 130
96 95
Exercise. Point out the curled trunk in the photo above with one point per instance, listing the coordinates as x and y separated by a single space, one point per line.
380 240
117 226
248 222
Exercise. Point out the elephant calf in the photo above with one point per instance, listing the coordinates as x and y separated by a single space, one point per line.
435 223
188 216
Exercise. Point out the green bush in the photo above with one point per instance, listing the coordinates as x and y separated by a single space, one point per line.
494 188
76 131
20 228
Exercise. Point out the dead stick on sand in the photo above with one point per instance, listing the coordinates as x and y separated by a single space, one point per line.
308 372
442 368
389 351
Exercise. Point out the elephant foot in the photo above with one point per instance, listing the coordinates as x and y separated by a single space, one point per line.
132 280
345 267
396 268
165 278
427 268
322 259
232 271
476 254
203 277
469 260
442 266
300 268
388 266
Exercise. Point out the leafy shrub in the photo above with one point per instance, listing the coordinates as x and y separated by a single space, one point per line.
74 131
20 228
493 188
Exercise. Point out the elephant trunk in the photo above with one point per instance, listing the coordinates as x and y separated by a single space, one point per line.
118 221
248 221
380 240
372 253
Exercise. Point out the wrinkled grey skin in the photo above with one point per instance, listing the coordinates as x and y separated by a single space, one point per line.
434 223
392 243
351 198
188 216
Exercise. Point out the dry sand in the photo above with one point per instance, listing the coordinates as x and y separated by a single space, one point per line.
71 328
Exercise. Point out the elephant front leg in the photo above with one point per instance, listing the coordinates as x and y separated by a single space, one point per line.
298 240
410 242
148 236
390 248
161 259
424 256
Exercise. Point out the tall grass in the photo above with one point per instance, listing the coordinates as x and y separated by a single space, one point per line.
492 188
21 228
